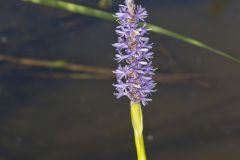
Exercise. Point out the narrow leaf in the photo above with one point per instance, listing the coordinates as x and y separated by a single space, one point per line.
80 9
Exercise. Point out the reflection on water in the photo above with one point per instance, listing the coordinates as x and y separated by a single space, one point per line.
50 119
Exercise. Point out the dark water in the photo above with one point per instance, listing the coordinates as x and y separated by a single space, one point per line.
59 119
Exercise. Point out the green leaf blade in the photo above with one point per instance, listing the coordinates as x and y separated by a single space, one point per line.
87 11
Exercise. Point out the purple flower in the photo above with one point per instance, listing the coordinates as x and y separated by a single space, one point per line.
135 71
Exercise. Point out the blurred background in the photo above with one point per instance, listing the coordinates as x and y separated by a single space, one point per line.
56 103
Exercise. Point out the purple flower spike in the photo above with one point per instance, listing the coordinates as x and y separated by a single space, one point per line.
135 71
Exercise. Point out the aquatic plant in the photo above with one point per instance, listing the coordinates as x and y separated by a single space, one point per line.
134 74
135 71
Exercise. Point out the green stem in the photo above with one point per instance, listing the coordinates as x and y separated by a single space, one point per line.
137 123
140 147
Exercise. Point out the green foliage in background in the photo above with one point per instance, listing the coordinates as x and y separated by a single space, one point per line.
80 9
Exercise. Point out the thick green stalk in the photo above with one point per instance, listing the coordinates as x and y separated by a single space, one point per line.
80 9
137 123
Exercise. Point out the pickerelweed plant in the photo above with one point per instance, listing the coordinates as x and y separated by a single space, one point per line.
135 71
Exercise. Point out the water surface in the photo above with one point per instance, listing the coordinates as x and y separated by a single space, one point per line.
54 119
